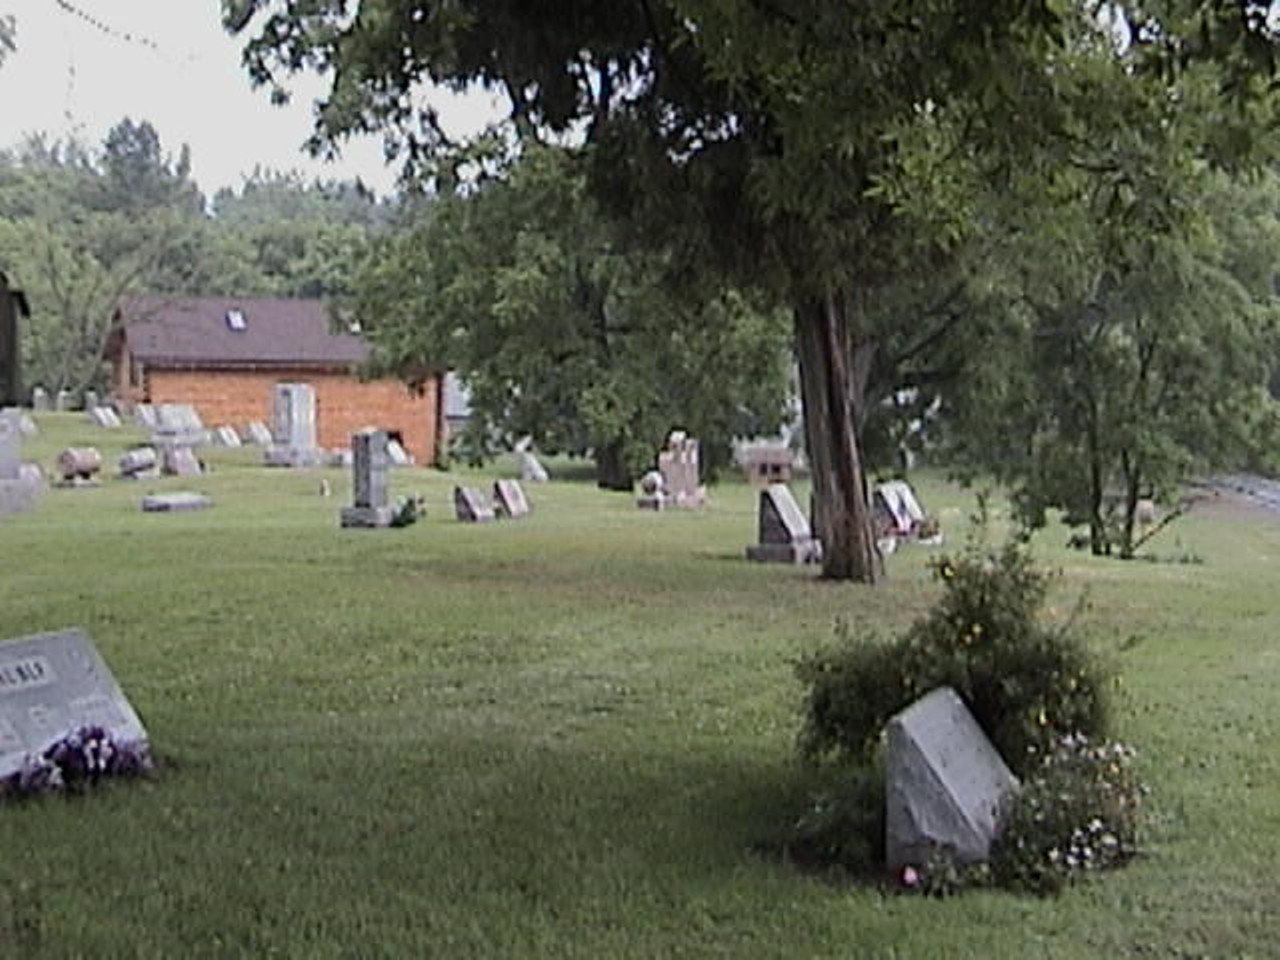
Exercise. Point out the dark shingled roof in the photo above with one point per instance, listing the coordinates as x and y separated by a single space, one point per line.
183 331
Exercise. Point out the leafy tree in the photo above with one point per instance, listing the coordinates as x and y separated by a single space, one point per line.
756 139
563 334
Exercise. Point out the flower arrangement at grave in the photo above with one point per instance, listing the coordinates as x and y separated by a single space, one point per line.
1039 694
76 762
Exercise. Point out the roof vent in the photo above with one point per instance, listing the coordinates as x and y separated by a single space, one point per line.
235 321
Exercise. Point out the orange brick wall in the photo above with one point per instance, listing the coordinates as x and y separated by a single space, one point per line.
343 403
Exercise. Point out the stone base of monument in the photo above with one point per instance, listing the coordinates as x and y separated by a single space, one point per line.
280 456
180 502
368 518
802 552
654 501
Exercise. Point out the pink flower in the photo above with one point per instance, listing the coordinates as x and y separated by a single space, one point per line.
910 876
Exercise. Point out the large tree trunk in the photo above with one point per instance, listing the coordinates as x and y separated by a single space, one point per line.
611 467
842 515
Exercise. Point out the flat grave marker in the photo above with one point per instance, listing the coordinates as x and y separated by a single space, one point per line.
181 501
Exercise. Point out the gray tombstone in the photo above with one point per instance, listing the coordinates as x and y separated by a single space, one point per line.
18 489
139 463
144 415
653 491
40 399
177 424
531 469
62 402
470 506
26 426
91 399
226 436
104 417
179 462
256 432
369 507
397 454
293 429
944 783
179 502
509 499
785 536
10 445
51 684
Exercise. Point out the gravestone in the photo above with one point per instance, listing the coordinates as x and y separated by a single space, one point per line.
369 507
785 535
293 427
179 502
531 469
40 400
10 445
26 426
397 455
104 417
18 489
227 437
653 493
79 466
179 462
144 415
678 465
139 463
51 684
91 399
944 783
470 505
177 425
62 402
256 432
509 499
767 463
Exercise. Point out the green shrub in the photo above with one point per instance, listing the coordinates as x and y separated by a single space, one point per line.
1077 812
1027 684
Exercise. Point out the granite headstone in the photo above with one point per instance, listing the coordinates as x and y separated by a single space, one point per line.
509 499
181 501
369 496
470 505
785 536
944 783
50 685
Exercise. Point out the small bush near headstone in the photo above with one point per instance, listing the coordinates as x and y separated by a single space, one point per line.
1037 691
1028 683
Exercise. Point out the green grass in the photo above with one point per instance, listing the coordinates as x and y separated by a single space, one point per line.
565 736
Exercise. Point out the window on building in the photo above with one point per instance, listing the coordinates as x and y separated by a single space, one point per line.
236 321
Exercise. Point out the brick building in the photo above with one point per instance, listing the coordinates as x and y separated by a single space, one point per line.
223 355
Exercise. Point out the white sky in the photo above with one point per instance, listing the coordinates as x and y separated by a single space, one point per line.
182 72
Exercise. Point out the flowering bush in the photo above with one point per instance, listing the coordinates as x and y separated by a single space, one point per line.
1027 683
75 762
1078 812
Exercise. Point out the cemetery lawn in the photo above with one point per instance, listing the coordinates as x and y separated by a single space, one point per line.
569 735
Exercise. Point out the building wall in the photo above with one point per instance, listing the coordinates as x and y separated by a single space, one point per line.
343 403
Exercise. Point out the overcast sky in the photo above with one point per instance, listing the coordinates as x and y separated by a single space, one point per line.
170 62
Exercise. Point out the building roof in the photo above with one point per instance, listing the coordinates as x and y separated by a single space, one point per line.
233 331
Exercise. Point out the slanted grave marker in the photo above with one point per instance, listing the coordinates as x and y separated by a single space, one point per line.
944 783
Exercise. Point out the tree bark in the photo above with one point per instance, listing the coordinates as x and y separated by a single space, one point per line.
842 515
611 467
